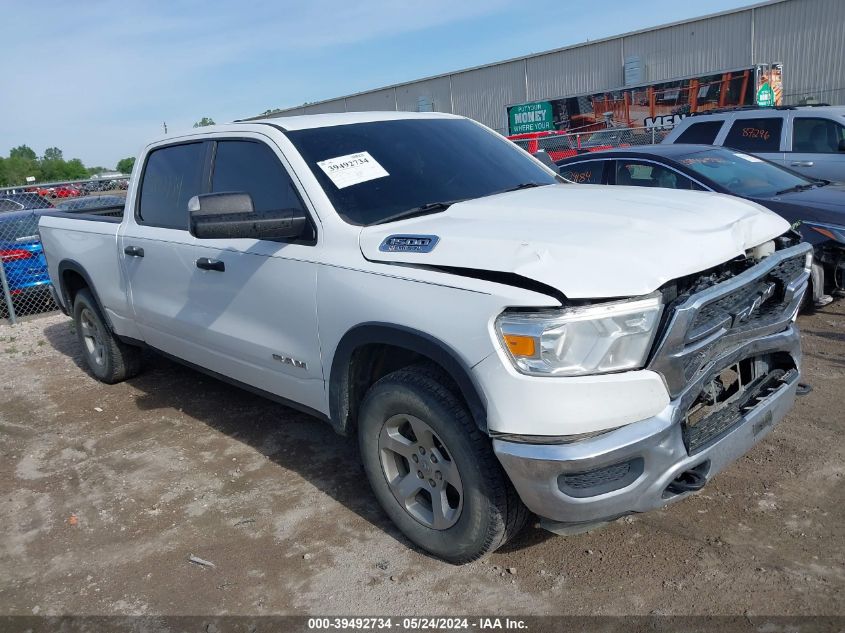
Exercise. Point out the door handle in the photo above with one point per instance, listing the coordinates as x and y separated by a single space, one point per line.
210 264
802 163
134 251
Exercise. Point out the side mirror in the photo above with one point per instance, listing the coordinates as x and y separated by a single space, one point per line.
231 215
543 156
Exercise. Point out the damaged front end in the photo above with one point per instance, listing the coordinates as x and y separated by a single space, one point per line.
729 354
733 392
711 313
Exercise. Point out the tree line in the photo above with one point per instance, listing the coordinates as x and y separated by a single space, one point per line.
22 162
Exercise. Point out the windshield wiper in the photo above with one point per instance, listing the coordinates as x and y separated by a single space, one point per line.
796 188
423 209
524 185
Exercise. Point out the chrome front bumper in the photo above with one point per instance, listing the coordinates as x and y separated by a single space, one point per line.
653 449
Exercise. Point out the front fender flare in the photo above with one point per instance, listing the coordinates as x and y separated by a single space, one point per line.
412 340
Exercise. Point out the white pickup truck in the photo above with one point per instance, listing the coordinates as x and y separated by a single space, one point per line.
501 342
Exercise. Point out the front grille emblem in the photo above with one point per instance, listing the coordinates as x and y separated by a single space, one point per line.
746 312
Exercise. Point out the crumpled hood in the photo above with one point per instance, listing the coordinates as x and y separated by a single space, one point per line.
587 241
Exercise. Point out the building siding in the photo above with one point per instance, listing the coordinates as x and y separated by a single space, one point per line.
372 101
684 50
808 36
484 94
579 70
437 90
325 107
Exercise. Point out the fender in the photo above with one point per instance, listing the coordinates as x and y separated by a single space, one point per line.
412 340
71 265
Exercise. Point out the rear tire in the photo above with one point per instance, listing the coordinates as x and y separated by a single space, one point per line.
109 359
432 470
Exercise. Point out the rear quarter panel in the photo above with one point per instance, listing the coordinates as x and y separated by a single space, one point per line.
92 246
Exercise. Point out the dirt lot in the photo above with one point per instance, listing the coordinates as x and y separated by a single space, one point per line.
105 491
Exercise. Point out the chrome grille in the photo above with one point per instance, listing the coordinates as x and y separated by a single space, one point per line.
757 302
750 304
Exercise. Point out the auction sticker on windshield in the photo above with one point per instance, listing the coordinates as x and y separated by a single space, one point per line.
352 169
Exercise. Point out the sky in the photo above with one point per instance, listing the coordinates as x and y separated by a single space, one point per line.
98 79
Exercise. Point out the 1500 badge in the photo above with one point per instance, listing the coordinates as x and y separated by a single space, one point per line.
409 244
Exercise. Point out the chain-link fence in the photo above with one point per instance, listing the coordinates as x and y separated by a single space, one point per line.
24 280
560 145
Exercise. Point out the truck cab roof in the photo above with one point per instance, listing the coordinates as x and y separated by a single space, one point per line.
306 121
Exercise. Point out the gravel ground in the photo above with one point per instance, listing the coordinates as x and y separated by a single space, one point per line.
106 491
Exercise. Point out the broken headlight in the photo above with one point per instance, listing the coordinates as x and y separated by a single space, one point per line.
579 341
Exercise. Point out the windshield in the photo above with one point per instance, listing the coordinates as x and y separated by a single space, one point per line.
743 174
373 171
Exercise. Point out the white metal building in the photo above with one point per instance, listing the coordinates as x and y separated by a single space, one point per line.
808 36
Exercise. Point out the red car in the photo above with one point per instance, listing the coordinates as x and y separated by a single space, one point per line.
59 191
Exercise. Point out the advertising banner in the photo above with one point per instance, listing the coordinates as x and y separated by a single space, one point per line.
530 117
659 105
768 82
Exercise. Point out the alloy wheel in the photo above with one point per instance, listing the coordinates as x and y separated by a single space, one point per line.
420 472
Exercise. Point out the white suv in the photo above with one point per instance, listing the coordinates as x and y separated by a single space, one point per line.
808 139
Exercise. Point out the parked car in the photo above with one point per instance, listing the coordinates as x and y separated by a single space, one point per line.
65 191
22 255
21 201
808 139
557 145
57 191
615 137
498 341
101 205
89 186
816 207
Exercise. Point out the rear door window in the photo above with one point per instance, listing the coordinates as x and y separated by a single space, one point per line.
817 136
703 133
755 135
172 176
642 174
587 173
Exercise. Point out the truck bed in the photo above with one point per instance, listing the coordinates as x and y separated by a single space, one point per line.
87 244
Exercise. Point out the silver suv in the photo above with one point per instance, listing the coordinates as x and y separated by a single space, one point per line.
808 139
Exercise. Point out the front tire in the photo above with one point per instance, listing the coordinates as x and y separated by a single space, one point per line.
109 359
432 470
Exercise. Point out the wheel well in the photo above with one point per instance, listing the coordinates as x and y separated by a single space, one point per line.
369 363
72 282
73 279
373 350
